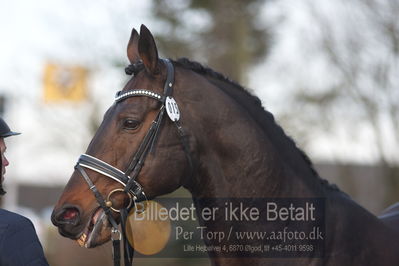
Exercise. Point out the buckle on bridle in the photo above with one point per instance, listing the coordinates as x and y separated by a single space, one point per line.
115 234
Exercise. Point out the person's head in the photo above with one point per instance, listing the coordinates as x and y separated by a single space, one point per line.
4 133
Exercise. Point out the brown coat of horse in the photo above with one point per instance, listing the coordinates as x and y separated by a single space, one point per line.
239 152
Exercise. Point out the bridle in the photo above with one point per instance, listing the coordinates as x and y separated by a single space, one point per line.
132 188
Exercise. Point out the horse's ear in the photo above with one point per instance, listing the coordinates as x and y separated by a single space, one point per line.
132 47
148 50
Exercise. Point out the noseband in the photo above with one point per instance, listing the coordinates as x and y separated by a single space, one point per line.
128 178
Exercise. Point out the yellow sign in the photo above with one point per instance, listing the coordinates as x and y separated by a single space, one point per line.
64 83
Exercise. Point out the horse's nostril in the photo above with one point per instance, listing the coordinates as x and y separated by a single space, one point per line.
69 215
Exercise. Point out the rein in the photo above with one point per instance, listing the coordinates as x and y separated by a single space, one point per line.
128 178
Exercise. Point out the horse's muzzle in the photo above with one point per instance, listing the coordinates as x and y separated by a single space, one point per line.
67 219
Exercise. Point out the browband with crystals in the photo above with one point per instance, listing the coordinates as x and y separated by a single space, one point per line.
121 96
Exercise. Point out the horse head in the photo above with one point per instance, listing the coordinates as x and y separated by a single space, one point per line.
140 139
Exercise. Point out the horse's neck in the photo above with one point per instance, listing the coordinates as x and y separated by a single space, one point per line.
239 159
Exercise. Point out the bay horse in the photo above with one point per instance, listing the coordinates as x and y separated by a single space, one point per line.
219 142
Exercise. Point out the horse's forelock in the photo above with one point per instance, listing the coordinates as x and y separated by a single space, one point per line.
135 68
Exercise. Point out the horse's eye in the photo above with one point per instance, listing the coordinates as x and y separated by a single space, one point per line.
131 124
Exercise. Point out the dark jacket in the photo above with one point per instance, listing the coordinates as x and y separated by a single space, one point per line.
19 245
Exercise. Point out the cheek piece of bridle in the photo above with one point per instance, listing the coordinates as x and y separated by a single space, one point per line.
132 188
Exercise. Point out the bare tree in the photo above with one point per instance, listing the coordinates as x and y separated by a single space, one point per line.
358 42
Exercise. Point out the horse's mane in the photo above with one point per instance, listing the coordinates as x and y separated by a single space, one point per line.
254 106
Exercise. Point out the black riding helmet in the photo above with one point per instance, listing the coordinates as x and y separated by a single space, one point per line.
5 130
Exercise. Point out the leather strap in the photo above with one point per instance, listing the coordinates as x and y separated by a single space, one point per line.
102 167
186 147
170 79
116 252
148 138
128 250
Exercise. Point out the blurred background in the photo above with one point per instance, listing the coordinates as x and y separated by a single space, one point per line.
327 70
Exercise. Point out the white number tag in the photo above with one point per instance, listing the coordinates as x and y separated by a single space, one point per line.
172 109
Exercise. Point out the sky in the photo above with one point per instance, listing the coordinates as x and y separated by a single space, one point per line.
78 32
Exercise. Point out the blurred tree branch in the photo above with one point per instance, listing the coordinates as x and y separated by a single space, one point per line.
226 35
364 60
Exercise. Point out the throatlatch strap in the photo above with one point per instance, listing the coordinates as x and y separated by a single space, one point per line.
186 147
